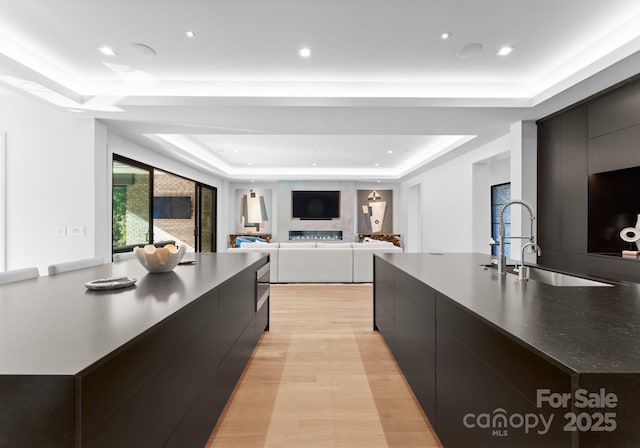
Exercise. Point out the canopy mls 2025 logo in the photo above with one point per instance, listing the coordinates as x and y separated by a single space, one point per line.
584 411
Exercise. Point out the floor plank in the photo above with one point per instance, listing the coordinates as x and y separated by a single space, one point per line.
322 378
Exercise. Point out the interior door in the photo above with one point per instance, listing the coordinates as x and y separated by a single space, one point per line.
206 219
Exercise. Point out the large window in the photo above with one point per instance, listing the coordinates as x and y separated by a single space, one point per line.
500 194
150 206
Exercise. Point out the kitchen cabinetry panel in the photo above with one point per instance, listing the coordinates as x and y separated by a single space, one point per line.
615 151
599 135
410 330
103 389
468 387
614 111
549 202
415 348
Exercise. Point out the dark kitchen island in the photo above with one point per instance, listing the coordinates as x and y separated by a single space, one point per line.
151 365
496 362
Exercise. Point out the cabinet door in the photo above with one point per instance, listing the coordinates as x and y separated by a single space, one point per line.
562 182
384 301
481 371
233 364
237 308
415 350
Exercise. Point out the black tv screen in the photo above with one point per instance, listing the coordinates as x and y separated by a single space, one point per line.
315 204
171 207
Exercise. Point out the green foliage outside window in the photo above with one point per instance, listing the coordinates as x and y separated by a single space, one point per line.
119 215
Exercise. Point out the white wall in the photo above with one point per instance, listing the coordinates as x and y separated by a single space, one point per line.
49 183
2 199
454 218
524 166
58 176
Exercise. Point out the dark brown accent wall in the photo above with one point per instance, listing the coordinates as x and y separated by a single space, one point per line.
599 135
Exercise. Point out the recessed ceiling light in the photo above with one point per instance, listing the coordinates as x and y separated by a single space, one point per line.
377 164
190 34
304 52
314 164
390 152
379 181
504 51
107 51
249 163
445 36
235 150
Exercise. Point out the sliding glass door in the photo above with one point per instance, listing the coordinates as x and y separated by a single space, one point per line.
153 206
206 227
131 205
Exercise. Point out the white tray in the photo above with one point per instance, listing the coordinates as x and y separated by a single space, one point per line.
103 284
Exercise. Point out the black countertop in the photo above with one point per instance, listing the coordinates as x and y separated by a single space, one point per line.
54 325
582 329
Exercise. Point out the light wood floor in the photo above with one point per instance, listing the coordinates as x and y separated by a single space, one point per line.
322 378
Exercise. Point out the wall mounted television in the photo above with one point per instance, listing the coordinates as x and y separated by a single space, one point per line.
171 207
315 204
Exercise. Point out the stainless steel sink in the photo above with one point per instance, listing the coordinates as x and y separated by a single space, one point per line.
558 279
555 278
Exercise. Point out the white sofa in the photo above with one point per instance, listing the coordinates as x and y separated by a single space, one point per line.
320 262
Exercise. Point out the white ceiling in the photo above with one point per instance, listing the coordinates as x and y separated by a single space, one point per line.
379 76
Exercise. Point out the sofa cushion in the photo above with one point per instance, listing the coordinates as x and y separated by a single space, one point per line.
298 245
315 265
363 259
261 244
335 245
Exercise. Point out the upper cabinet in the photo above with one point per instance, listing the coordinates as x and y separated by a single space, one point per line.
616 110
581 215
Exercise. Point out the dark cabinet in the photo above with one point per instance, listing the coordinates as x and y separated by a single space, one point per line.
481 371
562 183
152 383
168 387
615 110
460 368
384 301
598 136
409 329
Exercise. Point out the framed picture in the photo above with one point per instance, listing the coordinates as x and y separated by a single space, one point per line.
375 211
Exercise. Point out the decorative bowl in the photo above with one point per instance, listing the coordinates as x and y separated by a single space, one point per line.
160 259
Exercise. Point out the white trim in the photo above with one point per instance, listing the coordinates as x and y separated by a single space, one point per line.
3 183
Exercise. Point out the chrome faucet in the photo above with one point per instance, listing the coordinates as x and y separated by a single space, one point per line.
502 260
523 271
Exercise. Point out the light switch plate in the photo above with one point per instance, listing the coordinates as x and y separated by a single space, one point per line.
61 230
77 231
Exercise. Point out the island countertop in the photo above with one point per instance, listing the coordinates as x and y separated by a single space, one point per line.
583 329
53 325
